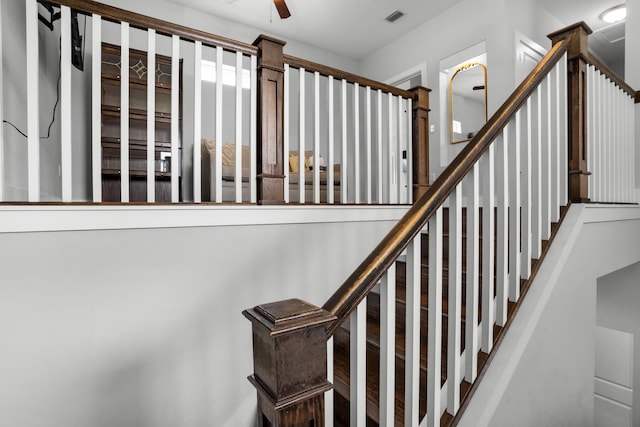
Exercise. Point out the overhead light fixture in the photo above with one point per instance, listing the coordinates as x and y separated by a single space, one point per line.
615 14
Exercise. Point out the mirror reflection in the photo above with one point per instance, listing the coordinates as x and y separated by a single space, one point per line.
467 101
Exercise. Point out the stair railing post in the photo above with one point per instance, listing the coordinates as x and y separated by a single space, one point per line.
420 141
290 362
270 173
577 55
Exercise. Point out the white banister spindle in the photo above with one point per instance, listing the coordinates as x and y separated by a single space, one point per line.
219 121
286 134
488 196
387 346
65 104
151 116
124 113
401 152
358 368
514 210
175 119
536 176
564 134
595 157
379 148
412 337
592 126
329 395
316 138
473 273
409 127
434 328
546 158
525 198
253 138
96 111
631 147
239 159
556 141
393 152
344 165
197 126
503 143
33 138
368 147
454 300
301 135
331 156
356 141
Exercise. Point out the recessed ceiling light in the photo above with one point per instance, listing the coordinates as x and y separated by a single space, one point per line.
615 14
394 16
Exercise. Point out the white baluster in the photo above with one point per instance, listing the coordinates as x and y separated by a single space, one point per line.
557 141
96 111
454 300
409 127
65 104
239 160
393 153
536 176
592 122
368 147
331 157
219 121
380 174
151 116
564 133
473 272
546 158
358 368
525 198
503 143
301 138
514 210
175 121
434 331
344 166
387 346
356 140
286 131
253 143
197 128
401 147
412 345
316 139
124 113
33 101
488 248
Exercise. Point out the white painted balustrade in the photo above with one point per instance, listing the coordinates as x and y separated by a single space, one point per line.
610 140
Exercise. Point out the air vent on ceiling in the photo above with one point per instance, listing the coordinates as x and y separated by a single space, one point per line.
394 16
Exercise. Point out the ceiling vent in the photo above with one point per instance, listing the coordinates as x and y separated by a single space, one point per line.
394 16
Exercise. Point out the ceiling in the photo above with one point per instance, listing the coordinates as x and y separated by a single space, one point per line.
356 28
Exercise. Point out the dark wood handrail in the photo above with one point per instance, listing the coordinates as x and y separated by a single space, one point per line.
340 74
611 75
344 301
137 20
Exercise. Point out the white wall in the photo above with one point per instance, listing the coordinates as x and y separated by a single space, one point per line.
542 374
618 300
143 327
465 24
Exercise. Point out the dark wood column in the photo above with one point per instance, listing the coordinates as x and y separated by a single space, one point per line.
420 141
270 159
578 52
290 362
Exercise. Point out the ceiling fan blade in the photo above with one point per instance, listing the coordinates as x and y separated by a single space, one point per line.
282 8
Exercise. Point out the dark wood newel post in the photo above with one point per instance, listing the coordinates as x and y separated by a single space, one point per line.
270 159
420 141
290 362
577 53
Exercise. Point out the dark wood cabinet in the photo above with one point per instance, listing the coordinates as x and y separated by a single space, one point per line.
111 122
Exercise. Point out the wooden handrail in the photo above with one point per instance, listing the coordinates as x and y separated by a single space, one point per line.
137 20
611 75
340 74
344 301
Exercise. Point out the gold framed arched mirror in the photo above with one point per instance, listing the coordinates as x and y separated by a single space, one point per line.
467 101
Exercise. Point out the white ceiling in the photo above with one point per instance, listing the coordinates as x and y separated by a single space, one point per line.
356 28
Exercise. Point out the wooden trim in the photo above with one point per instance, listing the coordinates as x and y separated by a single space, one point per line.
340 74
136 20
611 75
344 301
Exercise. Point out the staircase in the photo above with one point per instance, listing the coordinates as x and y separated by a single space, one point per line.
342 336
